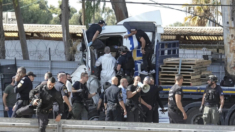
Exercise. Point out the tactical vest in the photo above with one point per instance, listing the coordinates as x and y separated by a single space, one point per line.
212 96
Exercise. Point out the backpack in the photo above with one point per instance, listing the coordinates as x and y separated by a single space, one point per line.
228 82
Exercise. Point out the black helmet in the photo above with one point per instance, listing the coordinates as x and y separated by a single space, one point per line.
213 78
123 49
106 85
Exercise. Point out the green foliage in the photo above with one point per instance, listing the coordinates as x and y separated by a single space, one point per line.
37 13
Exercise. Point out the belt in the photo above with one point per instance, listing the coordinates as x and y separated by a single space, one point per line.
45 111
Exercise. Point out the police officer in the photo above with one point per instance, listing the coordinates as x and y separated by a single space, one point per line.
23 85
157 101
112 102
146 48
60 87
107 61
100 107
46 77
80 95
94 30
42 98
176 111
125 63
213 95
31 76
135 112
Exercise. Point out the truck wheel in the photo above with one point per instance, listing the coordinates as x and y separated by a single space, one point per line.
194 116
232 119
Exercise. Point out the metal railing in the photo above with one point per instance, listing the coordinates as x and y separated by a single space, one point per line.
29 125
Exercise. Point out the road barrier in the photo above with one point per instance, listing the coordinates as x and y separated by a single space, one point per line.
31 125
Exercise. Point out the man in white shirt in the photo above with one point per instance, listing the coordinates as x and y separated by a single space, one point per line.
108 63
69 87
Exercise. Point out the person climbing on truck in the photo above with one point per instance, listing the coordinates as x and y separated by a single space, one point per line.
213 95
146 49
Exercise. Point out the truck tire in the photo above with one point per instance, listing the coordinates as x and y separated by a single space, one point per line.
232 119
194 116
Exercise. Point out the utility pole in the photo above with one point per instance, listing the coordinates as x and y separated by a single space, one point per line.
65 29
2 36
229 36
21 31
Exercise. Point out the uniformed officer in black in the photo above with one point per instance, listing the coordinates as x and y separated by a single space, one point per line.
134 109
157 101
60 87
42 98
122 61
80 96
100 107
113 102
23 85
176 111
93 31
213 96
146 48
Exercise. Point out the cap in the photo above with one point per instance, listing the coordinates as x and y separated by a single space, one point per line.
101 22
133 29
123 49
31 74
60 72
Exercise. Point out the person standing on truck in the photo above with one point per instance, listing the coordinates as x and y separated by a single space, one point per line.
125 63
80 96
23 85
146 49
213 95
107 61
135 112
113 102
93 31
176 111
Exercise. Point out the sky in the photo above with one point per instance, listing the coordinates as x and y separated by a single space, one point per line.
169 16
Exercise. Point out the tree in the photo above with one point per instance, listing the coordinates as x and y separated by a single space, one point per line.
107 15
120 9
2 37
201 12
65 29
21 31
32 11
57 12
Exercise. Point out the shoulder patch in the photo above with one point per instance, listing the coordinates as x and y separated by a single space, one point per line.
22 81
23 78
65 90
19 85
120 93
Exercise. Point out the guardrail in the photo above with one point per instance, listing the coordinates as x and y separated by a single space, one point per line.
31 125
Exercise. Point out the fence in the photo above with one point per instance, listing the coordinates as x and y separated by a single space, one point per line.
29 125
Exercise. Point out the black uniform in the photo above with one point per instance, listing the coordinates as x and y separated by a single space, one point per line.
148 50
22 88
47 98
212 97
150 98
113 95
123 61
102 110
92 30
157 103
175 115
133 106
79 100
60 87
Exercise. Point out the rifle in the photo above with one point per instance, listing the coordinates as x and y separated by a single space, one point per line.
136 106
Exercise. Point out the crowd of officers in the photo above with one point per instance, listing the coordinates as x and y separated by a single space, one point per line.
58 100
